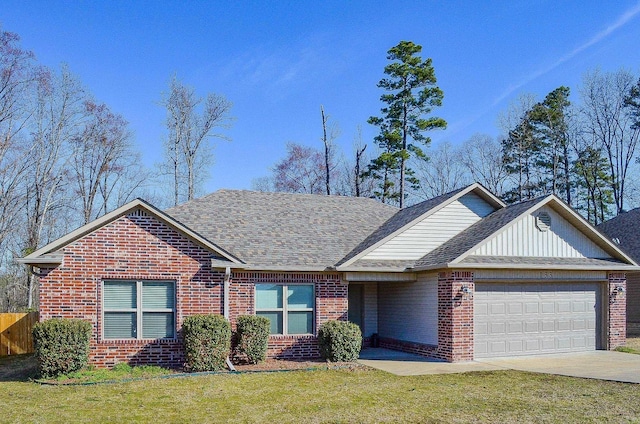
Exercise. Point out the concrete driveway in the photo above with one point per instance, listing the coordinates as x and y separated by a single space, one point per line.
599 364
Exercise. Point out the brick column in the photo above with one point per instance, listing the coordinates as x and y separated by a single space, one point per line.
455 316
617 334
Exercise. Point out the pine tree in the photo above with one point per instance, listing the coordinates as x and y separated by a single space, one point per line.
413 94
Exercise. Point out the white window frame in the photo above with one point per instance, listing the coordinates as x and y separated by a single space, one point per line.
138 310
285 308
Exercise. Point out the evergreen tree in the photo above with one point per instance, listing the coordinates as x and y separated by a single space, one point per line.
413 94
593 183
550 127
520 151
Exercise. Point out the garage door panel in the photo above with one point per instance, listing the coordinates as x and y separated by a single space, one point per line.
547 326
515 308
526 318
497 328
532 345
563 325
548 307
516 327
516 346
497 309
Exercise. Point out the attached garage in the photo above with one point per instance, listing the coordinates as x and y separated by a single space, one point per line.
512 319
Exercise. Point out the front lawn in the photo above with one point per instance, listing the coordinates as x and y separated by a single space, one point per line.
342 395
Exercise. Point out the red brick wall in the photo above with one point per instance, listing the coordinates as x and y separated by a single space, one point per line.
331 304
143 248
617 310
455 316
131 247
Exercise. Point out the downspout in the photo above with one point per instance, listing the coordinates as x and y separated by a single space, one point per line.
225 305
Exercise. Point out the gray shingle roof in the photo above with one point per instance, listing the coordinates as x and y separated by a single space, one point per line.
473 235
539 261
399 220
283 229
626 229
375 265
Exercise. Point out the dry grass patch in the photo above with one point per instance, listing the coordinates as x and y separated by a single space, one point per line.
633 343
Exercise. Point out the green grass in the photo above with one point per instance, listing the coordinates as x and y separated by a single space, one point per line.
349 396
120 372
626 349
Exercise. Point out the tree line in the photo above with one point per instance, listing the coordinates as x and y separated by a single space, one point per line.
67 158
584 152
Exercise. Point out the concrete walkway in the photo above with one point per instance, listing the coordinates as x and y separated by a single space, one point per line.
401 363
599 364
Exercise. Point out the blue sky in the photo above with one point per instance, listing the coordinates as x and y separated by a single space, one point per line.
279 61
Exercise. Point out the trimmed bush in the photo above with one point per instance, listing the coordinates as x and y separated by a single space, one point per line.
61 346
253 336
207 341
339 341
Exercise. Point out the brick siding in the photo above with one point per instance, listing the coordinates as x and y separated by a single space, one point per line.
617 310
140 247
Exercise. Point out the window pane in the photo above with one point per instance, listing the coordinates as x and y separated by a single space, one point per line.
300 322
157 295
120 295
268 296
300 297
157 325
119 325
276 321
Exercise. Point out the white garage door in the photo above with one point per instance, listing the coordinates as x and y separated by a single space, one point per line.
528 319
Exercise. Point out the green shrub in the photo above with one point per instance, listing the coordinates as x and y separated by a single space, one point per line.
207 341
339 341
61 346
253 337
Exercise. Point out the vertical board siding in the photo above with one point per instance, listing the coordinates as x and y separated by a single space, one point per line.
434 230
15 333
523 238
409 311
633 297
370 309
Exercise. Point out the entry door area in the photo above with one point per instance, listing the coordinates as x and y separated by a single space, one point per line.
356 305
513 319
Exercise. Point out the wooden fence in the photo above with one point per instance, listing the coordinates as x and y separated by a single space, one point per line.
15 333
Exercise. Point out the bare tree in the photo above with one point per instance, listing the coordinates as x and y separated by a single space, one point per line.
610 123
481 154
301 171
100 150
329 134
443 172
18 75
191 120
263 184
56 122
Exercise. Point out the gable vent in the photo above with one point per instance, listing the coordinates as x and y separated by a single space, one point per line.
543 221
137 212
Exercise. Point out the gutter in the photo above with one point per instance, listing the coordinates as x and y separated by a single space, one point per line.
225 306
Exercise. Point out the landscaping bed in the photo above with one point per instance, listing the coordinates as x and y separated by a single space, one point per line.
24 368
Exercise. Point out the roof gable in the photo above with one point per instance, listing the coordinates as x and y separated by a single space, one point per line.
465 244
528 236
48 253
418 229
